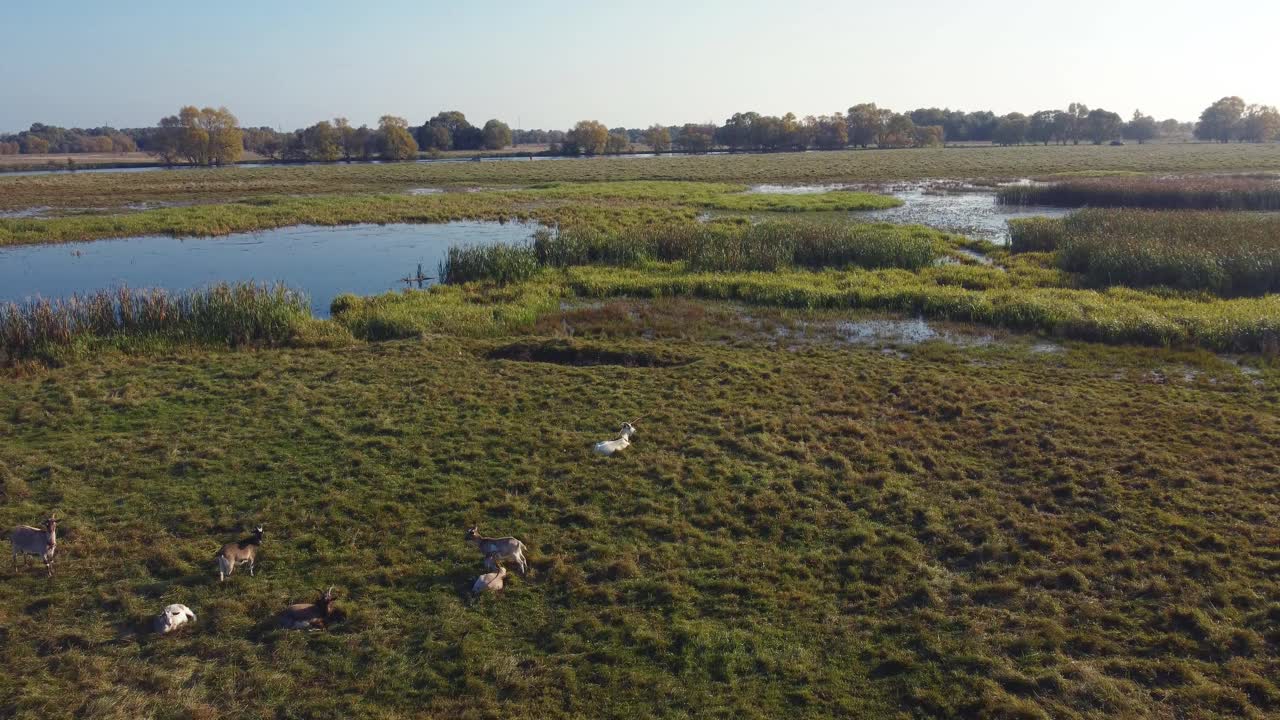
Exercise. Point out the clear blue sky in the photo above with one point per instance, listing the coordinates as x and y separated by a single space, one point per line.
546 64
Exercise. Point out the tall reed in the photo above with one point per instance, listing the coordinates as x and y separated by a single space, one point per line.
231 314
1210 192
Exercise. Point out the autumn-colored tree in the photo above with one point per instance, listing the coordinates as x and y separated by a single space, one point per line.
898 132
397 144
658 138
865 123
695 138
349 142
829 132
322 142
588 137
931 136
34 145
497 135
1261 123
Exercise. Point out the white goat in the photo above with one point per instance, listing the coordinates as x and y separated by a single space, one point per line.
496 550
609 447
489 582
174 617
240 552
42 543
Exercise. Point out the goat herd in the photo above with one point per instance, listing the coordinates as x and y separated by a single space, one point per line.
42 542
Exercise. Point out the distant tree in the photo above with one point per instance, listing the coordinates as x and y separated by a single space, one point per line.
588 137
294 148
350 143
696 138
449 130
1260 124
1044 126
497 135
397 144
617 142
1012 129
166 143
1076 122
9 147
931 135
1220 121
323 142
898 132
829 132
658 138
865 122
205 136
1141 128
34 145
1103 126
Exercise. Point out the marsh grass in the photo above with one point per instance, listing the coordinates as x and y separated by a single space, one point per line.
227 314
1228 254
807 531
1207 192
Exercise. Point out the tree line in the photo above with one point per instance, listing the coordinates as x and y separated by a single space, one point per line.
213 136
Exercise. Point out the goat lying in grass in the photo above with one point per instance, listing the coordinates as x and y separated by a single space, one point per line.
240 552
609 447
309 616
496 550
41 542
489 582
174 617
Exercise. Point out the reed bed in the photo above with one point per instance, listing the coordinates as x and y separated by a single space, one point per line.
230 314
713 247
1224 253
501 263
1209 192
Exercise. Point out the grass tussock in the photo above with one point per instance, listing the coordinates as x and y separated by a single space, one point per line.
229 314
1207 192
1227 254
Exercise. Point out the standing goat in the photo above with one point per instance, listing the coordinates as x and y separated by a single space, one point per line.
27 540
174 617
309 616
240 552
609 447
495 550
489 582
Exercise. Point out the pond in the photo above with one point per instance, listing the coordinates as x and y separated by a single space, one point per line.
946 205
323 262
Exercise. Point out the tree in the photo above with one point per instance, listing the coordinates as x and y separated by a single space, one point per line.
658 138
35 145
1012 129
449 130
829 132
1044 126
1221 121
322 142
588 137
1102 126
696 138
349 141
397 143
1261 123
497 135
617 143
1141 128
931 136
202 136
1077 114
898 132
865 122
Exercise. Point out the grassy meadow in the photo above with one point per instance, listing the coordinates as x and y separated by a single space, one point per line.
882 471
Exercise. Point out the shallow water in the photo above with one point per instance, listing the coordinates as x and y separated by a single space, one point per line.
951 206
321 261
904 332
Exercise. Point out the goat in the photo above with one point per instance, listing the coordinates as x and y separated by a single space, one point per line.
27 540
489 582
496 550
609 447
174 617
240 552
309 616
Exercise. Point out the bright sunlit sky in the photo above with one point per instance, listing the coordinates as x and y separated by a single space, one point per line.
549 63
